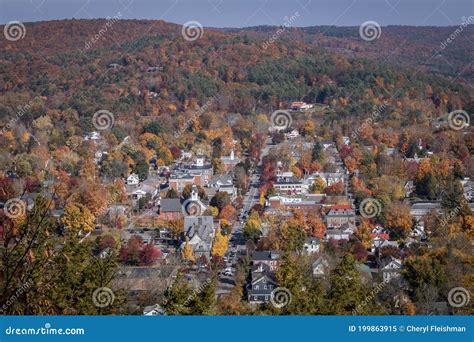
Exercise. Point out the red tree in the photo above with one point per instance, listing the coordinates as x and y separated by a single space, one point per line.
149 254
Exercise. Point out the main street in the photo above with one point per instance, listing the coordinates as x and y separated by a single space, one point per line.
237 240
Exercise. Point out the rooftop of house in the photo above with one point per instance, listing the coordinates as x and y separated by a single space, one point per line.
203 226
312 240
288 180
221 180
425 205
265 255
320 261
341 210
168 205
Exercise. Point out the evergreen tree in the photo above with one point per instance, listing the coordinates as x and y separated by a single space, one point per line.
346 292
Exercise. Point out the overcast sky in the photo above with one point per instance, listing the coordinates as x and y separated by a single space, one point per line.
242 13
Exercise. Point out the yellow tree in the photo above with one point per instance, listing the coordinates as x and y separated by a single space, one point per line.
318 186
398 218
364 231
187 251
213 211
78 218
252 228
220 245
175 227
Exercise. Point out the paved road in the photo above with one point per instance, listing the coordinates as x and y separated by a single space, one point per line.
237 242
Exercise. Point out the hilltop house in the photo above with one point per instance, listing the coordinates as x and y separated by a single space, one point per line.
300 105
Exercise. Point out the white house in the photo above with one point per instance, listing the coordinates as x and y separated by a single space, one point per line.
293 134
390 268
379 242
337 234
320 267
311 245
92 136
468 191
133 179
153 310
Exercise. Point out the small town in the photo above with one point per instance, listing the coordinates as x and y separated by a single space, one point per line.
235 170
235 226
